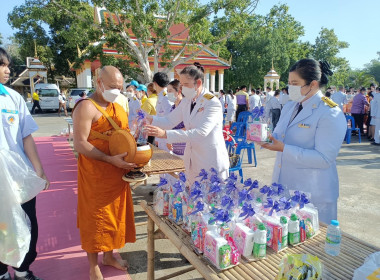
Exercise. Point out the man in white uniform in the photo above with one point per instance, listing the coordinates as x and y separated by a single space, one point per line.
17 126
339 97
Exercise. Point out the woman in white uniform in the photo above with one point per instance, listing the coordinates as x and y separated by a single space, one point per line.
308 137
201 113
231 106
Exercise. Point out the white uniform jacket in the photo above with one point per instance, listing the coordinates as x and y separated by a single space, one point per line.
376 115
312 143
205 146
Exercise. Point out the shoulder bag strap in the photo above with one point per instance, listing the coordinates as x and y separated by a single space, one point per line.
101 110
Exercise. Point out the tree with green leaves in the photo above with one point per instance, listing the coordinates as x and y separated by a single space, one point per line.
359 78
273 36
150 21
1 39
54 34
373 68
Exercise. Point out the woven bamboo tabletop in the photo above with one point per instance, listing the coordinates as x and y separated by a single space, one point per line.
163 162
352 255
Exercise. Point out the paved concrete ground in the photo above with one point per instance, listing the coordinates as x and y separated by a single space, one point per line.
358 208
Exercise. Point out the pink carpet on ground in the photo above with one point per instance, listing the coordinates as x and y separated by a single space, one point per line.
60 256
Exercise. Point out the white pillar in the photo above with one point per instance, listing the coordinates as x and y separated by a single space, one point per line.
79 78
87 76
221 79
212 82
207 80
171 75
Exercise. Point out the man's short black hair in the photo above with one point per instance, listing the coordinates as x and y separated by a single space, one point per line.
4 57
161 79
243 87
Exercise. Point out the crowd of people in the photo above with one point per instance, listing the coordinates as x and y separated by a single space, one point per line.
363 104
184 118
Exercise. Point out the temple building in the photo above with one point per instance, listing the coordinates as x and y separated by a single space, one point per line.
212 63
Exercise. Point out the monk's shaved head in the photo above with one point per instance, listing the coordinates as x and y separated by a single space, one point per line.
109 78
110 72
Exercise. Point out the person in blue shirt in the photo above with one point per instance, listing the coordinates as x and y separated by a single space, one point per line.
17 126
308 138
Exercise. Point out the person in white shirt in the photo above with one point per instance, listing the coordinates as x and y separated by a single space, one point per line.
134 103
263 98
273 109
62 104
164 106
284 97
376 117
339 97
254 100
231 106
222 100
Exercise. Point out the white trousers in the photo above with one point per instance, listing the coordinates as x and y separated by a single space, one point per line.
377 130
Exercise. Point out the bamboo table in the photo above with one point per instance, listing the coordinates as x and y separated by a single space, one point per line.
163 162
352 255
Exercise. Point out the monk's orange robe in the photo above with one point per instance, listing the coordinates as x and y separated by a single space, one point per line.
105 205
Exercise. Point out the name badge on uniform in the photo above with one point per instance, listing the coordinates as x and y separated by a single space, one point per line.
10 116
200 109
304 125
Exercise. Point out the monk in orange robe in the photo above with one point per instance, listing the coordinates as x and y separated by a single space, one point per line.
105 206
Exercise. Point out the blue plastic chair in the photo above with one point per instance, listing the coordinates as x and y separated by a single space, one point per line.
350 129
241 125
231 149
244 116
250 147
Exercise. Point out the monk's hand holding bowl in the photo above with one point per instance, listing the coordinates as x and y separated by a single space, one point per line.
118 161
276 145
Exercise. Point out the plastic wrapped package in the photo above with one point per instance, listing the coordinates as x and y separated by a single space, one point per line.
19 184
300 267
370 269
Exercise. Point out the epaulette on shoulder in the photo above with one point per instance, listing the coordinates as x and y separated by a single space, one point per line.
209 96
329 102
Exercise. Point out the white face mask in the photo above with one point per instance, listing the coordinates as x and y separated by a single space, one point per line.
295 93
189 93
129 94
110 95
171 96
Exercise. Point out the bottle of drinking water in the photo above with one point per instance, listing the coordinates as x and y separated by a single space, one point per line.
333 239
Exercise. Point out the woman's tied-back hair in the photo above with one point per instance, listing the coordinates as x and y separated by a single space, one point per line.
195 71
312 70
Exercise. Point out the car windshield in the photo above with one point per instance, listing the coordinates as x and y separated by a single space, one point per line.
48 93
76 92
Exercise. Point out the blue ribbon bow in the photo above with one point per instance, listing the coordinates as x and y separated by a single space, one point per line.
214 171
232 177
265 189
274 205
196 193
198 208
203 174
140 115
257 112
227 202
182 177
214 179
178 188
162 182
231 187
215 188
247 211
285 203
244 195
221 215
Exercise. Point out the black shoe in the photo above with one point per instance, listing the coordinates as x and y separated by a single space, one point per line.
29 276
376 144
8 277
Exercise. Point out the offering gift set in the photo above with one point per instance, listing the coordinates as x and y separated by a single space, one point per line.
228 220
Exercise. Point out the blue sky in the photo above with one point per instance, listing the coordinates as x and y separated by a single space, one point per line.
354 21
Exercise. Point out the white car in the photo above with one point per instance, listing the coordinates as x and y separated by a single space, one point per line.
73 95
48 96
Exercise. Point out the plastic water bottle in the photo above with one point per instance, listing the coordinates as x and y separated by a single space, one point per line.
333 239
